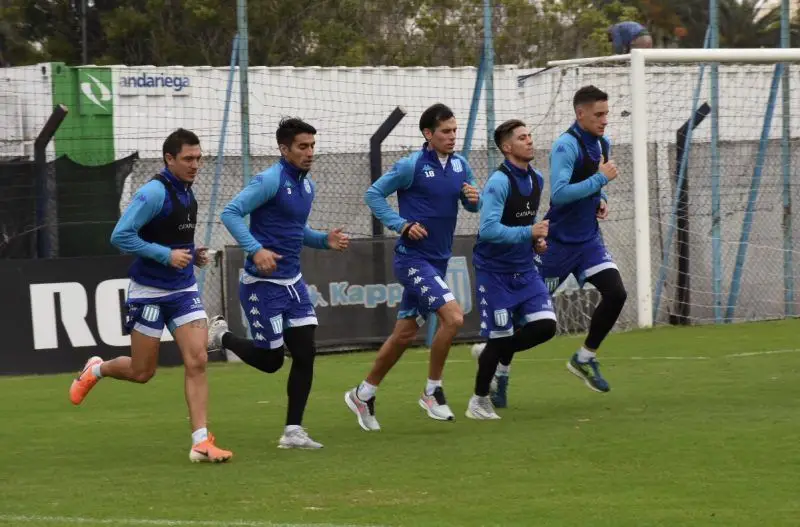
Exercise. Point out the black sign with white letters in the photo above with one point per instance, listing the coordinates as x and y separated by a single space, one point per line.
56 313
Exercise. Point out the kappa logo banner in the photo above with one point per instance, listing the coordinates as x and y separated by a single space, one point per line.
359 285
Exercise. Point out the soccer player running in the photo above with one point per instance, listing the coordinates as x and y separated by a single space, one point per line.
158 227
579 168
429 185
515 305
272 291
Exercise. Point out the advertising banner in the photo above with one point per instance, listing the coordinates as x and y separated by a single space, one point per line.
56 313
355 293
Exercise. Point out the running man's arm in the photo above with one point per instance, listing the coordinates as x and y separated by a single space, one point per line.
493 201
401 176
562 162
314 238
145 205
261 189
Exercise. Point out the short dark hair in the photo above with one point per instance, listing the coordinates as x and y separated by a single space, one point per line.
504 131
434 115
174 142
291 127
588 94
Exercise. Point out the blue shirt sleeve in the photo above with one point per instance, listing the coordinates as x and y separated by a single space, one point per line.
401 176
470 180
314 238
563 157
261 189
493 201
145 205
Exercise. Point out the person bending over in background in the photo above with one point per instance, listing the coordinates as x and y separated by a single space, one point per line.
628 35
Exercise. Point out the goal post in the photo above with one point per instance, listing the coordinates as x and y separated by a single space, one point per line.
657 81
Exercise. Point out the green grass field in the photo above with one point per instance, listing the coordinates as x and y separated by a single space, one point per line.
701 428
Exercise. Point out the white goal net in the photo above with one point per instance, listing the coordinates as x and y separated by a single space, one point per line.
721 245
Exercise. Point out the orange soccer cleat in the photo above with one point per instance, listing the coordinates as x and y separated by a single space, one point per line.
207 452
84 382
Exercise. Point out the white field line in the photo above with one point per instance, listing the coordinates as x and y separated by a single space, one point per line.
524 357
79 520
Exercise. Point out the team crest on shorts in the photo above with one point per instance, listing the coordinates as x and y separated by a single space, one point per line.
500 317
307 186
151 312
277 324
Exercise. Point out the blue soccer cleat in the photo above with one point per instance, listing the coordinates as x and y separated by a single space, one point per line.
589 373
499 391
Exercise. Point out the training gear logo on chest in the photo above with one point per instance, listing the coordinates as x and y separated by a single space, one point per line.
307 186
457 166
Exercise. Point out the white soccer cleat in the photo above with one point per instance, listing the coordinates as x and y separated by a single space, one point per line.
298 438
216 329
481 408
477 349
364 410
436 406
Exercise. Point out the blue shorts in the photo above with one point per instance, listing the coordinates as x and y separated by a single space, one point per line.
148 316
424 287
583 260
270 307
511 300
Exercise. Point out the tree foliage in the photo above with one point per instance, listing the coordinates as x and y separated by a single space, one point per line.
356 32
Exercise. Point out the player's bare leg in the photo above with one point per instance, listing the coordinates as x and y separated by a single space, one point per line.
192 340
433 401
361 399
451 318
390 352
139 367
